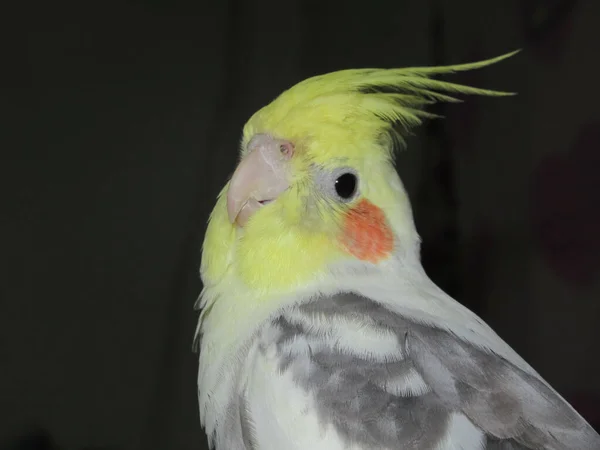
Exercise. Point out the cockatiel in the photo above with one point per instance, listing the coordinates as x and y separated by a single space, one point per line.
319 328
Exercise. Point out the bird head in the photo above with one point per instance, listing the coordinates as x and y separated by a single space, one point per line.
315 188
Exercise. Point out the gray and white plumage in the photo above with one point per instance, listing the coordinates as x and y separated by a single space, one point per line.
413 386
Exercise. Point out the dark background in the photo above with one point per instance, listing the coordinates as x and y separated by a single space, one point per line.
121 121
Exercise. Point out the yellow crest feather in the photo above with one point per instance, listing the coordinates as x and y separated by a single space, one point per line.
369 101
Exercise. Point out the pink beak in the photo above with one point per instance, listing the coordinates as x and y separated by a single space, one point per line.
261 176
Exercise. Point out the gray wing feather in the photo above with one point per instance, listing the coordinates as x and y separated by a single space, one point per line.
410 397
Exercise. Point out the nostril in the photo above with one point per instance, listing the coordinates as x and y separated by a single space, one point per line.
286 148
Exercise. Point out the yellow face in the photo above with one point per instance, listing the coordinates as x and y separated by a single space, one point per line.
338 205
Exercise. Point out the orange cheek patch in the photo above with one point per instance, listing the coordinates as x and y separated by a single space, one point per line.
366 234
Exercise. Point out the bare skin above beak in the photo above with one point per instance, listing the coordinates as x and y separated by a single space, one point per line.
261 176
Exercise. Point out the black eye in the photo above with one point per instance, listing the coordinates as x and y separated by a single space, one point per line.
345 185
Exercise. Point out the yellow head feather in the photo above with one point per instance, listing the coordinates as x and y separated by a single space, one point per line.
359 105
344 117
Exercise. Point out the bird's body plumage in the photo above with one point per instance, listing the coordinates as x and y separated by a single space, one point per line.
368 367
319 327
